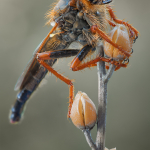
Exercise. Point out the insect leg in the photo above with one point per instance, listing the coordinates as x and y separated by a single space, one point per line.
118 65
111 23
112 15
80 56
95 29
23 96
57 54
89 64
65 79
93 63
76 63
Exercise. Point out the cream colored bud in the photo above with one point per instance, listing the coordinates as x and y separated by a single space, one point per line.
121 36
83 112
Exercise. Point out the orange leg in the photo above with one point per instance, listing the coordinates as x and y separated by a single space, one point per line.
131 32
118 66
112 15
76 63
95 29
66 80
111 23
77 66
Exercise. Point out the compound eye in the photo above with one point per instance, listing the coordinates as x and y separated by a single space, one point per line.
100 2
106 1
93 1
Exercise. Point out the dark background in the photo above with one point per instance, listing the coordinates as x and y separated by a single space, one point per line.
45 125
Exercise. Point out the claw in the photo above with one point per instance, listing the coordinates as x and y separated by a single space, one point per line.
135 39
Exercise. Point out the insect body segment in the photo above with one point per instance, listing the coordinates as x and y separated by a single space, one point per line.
81 23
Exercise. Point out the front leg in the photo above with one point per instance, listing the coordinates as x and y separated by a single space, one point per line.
94 29
112 15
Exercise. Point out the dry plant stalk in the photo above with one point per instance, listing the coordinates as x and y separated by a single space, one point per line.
103 79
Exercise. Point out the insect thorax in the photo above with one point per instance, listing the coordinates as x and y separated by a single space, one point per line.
74 24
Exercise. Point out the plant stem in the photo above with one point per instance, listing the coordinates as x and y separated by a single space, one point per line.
103 78
89 139
102 100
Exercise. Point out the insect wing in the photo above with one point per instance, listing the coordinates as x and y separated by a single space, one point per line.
26 75
61 5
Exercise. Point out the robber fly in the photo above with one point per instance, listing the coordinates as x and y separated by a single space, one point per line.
83 23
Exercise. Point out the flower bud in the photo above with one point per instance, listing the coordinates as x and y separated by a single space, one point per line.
121 36
83 112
